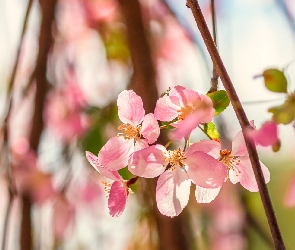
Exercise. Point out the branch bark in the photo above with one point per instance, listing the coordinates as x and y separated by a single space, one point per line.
172 232
243 120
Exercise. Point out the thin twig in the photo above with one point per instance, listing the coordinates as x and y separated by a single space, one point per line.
214 79
243 120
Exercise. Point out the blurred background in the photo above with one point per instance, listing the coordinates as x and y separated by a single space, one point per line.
63 64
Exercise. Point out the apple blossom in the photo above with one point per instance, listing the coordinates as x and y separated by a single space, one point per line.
187 107
137 131
117 191
177 169
237 161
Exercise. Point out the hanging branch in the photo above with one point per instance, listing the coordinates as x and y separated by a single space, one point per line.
42 86
243 120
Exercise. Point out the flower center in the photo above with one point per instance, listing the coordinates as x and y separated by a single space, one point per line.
175 158
129 131
184 112
229 161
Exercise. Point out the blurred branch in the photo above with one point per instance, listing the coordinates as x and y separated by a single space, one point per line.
282 4
243 120
7 112
172 233
42 86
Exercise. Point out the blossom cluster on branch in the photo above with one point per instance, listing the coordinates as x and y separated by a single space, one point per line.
204 163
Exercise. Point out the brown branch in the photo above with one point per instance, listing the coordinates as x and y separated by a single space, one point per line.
243 120
172 233
42 86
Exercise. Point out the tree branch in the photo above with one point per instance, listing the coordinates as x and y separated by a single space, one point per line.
243 120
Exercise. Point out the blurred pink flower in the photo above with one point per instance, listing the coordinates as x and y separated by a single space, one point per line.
63 217
173 185
118 190
138 130
267 135
63 111
236 161
290 194
28 179
187 107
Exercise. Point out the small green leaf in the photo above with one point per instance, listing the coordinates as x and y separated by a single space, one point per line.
211 130
276 147
220 101
284 113
275 80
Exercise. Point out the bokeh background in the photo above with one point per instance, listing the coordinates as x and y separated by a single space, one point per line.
74 60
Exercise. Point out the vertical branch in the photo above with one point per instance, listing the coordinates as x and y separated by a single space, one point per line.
42 86
7 112
171 231
243 120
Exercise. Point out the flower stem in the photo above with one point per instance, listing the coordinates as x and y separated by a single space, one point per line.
243 120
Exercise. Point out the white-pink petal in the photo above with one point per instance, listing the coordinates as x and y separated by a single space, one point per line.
117 198
115 153
147 163
206 195
150 128
165 109
248 179
209 147
93 160
172 192
130 107
186 97
290 194
238 145
205 171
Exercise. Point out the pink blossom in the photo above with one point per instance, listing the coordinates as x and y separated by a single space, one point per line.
187 107
63 111
173 185
137 131
267 135
117 191
236 161
28 179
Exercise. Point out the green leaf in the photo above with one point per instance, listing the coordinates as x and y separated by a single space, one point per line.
211 130
275 80
284 113
220 101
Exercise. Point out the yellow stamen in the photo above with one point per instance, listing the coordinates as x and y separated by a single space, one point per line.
175 158
229 161
129 131
184 112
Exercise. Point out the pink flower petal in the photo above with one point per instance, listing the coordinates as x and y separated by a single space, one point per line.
165 109
205 171
206 195
209 147
117 198
172 192
140 144
207 107
150 128
148 162
93 160
248 180
115 153
185 96
130 107
267 135
186 126
238 145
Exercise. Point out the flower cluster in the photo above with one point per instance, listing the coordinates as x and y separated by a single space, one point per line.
202 163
